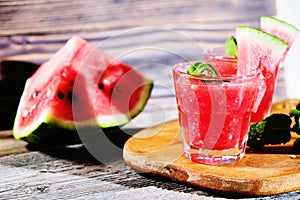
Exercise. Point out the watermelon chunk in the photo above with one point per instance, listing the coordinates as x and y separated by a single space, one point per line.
279 28
258 50
80 86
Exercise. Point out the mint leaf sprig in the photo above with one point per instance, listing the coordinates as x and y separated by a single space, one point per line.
231 48
203 69
200 68
275 129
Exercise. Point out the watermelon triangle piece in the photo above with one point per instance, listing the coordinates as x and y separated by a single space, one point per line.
258 50
279 28
80 86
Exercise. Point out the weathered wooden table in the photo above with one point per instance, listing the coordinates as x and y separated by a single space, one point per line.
151 36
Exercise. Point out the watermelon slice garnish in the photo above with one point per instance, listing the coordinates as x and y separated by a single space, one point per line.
279 28
276 27
80 86
258 50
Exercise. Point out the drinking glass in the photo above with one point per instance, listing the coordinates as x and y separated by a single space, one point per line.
214 113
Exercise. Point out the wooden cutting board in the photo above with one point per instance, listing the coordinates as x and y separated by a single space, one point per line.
158 151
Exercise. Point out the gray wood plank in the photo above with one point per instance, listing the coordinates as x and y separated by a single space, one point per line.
43 16
147 193
41 175
24 183
73 174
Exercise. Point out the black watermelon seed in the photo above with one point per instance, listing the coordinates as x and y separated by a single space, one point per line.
101 86
60 95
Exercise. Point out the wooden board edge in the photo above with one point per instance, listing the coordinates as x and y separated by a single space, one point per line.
233 186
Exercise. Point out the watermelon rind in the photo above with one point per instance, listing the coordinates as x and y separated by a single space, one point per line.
48 135
279 28
144 98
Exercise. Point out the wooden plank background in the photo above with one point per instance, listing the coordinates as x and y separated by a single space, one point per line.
32 30
25 17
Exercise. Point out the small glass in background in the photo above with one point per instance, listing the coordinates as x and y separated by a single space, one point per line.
217 56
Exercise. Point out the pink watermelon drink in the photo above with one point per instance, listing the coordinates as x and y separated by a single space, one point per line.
214 113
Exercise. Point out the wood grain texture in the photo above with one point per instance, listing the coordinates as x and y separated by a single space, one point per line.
158 150
11 146
44 16
34 30
72 173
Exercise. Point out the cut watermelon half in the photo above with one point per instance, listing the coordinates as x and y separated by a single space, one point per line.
80 86
279 28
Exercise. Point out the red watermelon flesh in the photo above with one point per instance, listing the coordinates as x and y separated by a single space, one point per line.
81 84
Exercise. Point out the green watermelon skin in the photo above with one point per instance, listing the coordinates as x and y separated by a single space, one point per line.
80 86
49 135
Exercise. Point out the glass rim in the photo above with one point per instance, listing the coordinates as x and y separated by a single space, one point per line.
218 53
254 73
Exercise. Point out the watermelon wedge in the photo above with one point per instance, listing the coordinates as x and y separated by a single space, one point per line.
279 28
258 50
80 86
